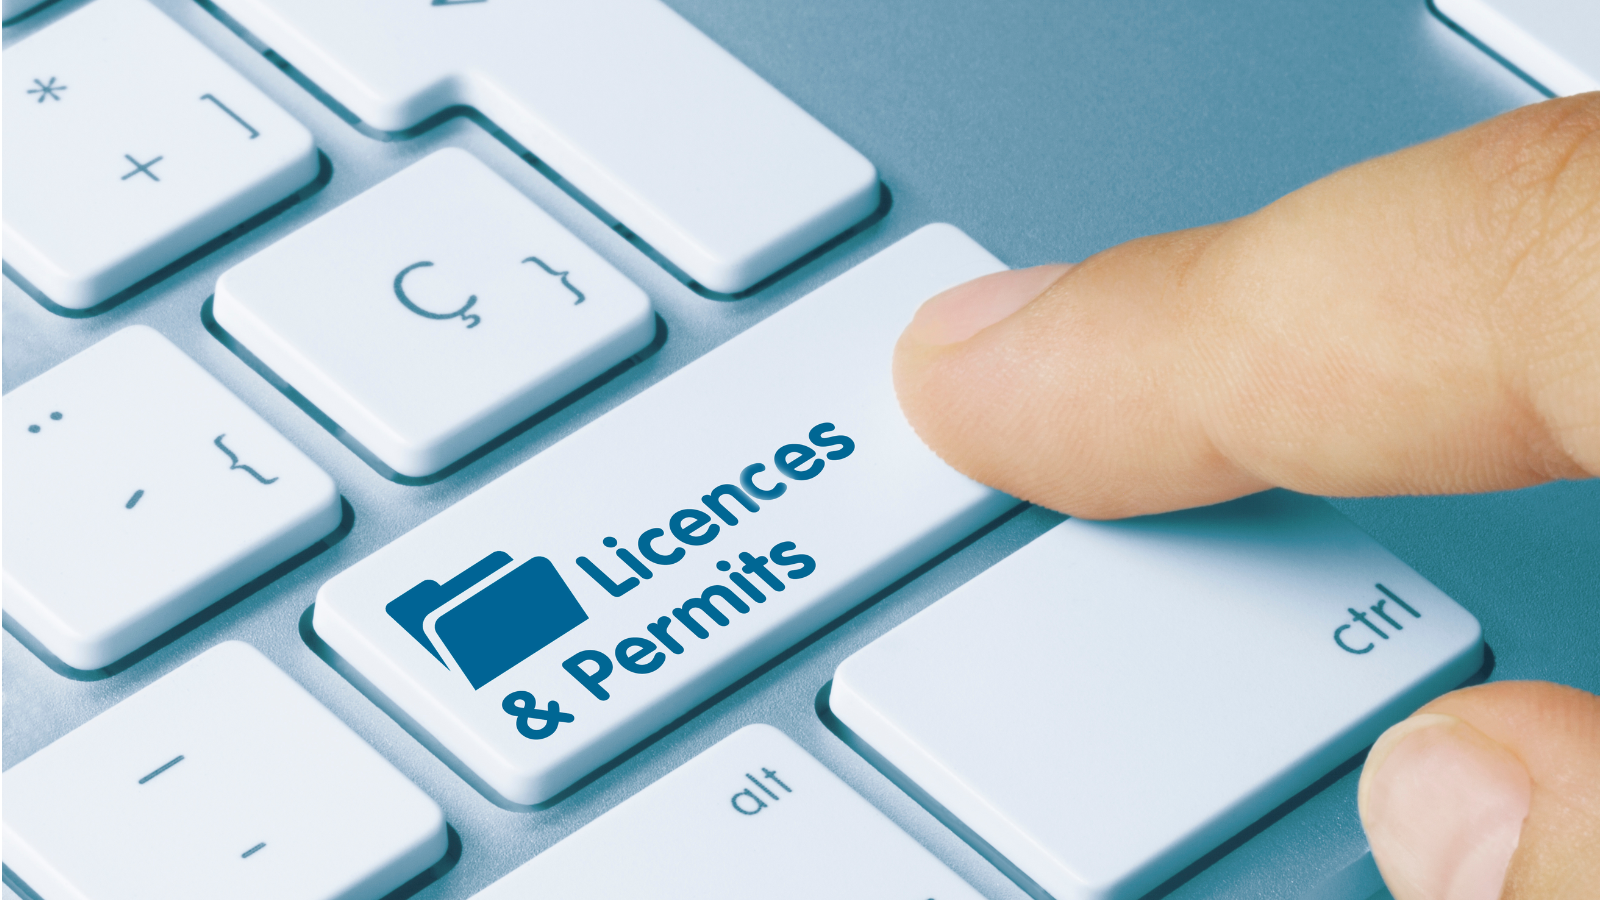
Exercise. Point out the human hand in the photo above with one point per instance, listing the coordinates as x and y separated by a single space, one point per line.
1426 322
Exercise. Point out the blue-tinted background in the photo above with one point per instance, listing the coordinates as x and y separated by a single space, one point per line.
1047 130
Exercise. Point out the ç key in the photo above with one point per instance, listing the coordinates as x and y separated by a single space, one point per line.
605 587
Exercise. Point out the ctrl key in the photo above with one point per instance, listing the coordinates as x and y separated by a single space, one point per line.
222 779
754 816
1132 694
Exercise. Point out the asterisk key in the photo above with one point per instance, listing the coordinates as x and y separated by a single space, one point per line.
47 89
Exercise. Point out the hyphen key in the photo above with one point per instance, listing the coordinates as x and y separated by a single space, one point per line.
1117 698
605 587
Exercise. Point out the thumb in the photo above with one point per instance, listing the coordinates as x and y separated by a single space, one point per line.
1425 322
1492 791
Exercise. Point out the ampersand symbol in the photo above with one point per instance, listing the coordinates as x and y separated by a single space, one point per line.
523 705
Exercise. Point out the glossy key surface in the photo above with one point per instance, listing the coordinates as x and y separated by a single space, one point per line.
223 779
754 815
722 174
608 585
1116 699
1556 42
128 144
433 312
139 490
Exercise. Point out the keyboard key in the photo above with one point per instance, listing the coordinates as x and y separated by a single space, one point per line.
1116 699
10 9
223 779
665 130
605 587
138 492
129 144
433 312
1556 42
754 815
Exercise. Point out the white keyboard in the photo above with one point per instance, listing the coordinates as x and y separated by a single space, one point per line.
572 608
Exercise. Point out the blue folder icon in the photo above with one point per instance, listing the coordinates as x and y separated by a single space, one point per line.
502 625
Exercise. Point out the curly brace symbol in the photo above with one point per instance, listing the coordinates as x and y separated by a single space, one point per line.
233 458
523 705
400 292
563 276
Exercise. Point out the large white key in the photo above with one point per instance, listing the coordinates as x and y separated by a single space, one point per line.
138 492
670 547
754 815
223 779
128 144
1557 42
433 312
1115 699
726 177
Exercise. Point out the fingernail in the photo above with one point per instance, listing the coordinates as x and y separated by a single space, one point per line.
966 309
1443 806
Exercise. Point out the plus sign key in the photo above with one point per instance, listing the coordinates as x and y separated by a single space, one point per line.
128 145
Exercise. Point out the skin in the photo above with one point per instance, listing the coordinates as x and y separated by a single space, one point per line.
1426 322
